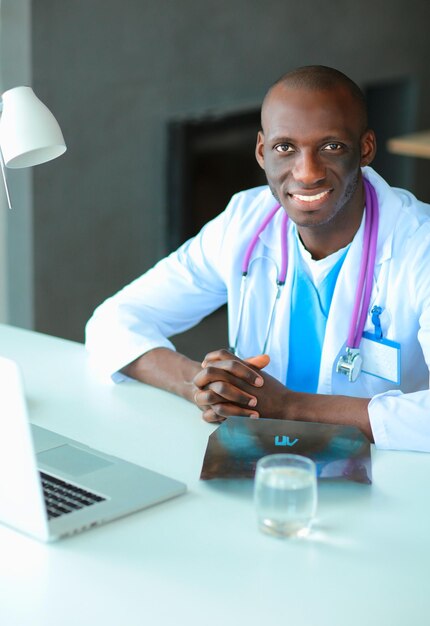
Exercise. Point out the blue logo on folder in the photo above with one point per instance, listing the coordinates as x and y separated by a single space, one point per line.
284 441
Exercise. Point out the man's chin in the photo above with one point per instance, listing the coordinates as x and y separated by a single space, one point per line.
311 220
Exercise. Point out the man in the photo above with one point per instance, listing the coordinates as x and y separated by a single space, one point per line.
313 146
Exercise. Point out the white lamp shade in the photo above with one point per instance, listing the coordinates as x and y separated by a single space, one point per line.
29 133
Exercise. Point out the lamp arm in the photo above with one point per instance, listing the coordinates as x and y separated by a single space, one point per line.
3 171
2 165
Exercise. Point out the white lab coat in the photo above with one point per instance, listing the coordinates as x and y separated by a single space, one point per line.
205 273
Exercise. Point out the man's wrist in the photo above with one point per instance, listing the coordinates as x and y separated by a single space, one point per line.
166 369
328 409
291 405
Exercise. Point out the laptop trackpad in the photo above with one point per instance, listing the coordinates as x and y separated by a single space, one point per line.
72 460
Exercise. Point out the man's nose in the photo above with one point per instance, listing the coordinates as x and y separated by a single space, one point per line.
308 168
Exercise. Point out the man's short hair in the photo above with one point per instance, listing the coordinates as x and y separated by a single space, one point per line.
322 78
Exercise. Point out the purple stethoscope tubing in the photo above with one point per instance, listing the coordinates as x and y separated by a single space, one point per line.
367 268
284 243
365 277
282 274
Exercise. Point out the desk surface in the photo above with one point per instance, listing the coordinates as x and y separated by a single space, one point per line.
199 559
415 144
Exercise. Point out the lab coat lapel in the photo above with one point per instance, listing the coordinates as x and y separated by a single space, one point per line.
340 312
344 294
278 346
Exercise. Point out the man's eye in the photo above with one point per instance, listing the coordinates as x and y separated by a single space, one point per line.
333 147
283 147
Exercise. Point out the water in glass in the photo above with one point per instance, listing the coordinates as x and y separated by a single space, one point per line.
285 498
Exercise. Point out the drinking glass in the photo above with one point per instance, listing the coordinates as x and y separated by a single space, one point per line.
285 494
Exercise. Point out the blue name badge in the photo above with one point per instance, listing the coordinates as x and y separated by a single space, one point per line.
381 357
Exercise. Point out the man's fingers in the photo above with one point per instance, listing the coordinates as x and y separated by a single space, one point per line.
210 416
205 398
228 371
260 361
225 384
220 391
217 355
219 412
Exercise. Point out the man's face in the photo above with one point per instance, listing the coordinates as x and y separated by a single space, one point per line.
311 148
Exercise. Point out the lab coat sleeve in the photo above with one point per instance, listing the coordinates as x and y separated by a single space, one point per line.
399 420
170 298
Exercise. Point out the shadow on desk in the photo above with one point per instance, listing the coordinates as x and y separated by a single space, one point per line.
330 491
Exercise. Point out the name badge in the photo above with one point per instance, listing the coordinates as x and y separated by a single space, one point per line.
381 357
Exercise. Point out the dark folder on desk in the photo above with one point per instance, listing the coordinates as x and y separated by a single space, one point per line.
235 447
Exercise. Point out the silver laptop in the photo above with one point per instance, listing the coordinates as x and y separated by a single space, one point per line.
52 486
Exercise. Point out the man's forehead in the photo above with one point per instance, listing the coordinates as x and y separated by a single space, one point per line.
296 108
286 91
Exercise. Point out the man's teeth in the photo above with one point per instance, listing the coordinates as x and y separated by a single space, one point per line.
311 198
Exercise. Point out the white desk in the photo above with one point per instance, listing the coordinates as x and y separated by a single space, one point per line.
199 559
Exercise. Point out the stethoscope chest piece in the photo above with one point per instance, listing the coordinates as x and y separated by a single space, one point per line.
350 364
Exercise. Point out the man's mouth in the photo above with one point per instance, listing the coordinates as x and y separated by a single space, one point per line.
310 198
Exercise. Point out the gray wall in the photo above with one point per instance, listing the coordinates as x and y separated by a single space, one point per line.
115 73
16 226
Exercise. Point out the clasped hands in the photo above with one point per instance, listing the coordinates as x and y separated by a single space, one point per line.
228 386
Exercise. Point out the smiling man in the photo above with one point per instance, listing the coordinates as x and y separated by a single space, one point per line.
313 141
325 269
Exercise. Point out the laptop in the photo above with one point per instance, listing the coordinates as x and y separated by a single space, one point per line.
52 486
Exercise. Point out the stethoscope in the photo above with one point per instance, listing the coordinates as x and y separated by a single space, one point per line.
351 361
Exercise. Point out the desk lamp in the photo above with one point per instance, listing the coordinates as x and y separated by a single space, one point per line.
29 133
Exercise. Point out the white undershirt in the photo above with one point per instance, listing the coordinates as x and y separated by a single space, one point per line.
317 269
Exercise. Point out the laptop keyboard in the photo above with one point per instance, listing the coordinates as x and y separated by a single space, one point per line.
62 498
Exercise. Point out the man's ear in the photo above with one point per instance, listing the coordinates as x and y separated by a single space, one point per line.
368 148
259 149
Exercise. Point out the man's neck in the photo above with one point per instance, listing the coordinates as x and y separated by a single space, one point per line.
328 238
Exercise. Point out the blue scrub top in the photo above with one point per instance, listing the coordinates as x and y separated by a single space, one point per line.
309 311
